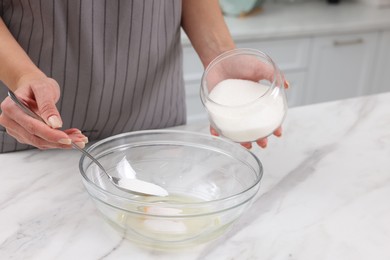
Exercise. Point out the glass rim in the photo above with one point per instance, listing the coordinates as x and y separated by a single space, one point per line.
116 197
231 53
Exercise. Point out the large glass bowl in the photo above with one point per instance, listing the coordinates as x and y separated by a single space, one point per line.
211 182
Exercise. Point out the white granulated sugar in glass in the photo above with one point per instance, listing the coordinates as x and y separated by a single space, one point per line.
244 110
236 92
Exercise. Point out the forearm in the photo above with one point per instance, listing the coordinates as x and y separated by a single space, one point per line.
203 22
14 61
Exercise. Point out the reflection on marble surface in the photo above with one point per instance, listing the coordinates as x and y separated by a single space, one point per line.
324 195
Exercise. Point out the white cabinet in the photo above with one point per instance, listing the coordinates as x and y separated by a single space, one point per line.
341 67
288 54
195 109
295 93
382 67
291 56
319 68
192 65
193 70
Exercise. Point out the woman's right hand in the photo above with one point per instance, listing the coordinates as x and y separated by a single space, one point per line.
40 94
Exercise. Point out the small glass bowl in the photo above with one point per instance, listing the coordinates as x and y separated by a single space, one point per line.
211 183
261 111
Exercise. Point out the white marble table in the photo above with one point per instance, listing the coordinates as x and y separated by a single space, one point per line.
325 194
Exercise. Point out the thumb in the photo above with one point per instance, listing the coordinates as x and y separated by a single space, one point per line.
47 109
50 114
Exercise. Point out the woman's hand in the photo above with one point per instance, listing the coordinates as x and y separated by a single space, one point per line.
40 94
263 142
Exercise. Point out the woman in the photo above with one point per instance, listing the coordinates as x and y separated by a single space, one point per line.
97 68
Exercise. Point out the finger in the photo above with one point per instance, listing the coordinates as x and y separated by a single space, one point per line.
72 131
20 134
80 144
213 131
33 126
247 145
262 142
286 84
46 101
24 137
266 72
37 141
278 132
76 136
14 133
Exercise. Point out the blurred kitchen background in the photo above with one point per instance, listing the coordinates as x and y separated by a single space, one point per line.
327 49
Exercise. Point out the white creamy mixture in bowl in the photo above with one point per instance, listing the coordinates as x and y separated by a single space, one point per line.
211 183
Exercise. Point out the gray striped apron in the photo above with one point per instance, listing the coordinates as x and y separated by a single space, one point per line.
118 62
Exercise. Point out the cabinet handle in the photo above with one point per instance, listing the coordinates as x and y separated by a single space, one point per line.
348 42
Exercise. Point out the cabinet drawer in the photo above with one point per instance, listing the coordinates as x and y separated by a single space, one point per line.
341 66
195 109
288 54
296 92
382 71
